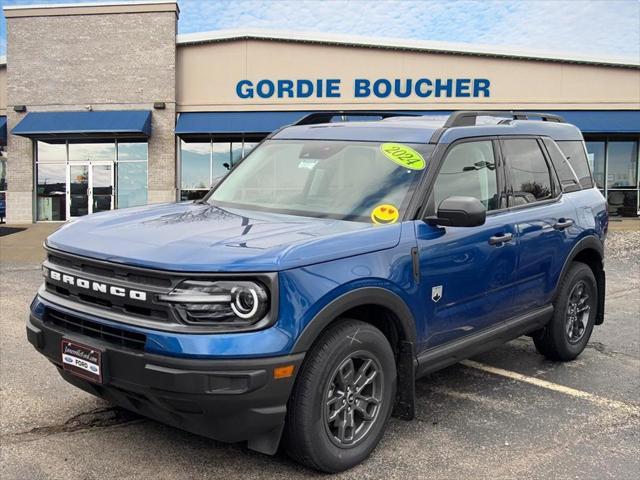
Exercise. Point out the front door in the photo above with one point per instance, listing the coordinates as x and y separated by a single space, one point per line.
89 188
467 272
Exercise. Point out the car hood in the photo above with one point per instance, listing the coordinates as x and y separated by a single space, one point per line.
201 237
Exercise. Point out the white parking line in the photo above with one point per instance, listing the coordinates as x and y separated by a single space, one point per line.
603 402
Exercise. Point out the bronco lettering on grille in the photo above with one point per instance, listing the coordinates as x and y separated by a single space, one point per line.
98 286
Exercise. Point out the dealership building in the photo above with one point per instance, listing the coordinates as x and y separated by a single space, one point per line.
104 106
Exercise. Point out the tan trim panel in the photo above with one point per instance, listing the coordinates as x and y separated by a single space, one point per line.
56 10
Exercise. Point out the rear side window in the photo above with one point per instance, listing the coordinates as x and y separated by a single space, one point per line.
575 153
566 174
528 170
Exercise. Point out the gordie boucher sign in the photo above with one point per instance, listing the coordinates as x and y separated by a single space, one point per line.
366 88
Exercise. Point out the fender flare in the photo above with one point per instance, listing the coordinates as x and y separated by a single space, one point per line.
357 298
590 242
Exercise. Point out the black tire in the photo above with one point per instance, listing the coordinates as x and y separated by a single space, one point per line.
564 339
310 438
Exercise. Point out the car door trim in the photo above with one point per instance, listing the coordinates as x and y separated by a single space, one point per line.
453 352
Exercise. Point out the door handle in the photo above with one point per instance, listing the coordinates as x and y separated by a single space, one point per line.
562 223
500 238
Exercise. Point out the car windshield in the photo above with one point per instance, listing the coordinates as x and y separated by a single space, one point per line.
344 180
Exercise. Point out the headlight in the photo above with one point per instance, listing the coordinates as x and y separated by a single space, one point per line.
224 303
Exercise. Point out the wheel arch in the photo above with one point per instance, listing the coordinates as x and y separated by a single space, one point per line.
356 304
590 251
396 323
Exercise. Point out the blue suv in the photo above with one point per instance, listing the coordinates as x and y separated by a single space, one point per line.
300 299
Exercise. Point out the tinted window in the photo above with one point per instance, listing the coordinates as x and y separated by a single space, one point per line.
566 174
530 175
574 151
469 169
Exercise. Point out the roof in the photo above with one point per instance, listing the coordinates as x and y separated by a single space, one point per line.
91 8
88 4
420 129
403 44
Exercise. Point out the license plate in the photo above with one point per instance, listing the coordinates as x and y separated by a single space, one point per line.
82 360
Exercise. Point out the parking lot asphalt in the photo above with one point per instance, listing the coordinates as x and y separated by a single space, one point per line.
508 413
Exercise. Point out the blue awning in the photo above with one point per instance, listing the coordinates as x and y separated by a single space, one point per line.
3 130
603 121
84 124
198 124
233 123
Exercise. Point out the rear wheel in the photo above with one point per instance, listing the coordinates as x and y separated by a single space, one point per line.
342 398
568 332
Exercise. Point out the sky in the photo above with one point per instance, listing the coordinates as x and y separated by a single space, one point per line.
602 28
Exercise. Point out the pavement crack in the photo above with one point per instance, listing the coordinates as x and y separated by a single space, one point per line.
101 417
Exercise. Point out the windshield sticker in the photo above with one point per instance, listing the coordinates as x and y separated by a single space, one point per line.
309 164
385 214
404 156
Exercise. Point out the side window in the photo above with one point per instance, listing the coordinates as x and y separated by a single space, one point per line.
575 153
469 169
530 175
567 175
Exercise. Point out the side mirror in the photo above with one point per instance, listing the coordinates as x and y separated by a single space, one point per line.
459 212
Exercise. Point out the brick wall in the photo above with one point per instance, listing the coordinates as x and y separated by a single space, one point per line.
109 61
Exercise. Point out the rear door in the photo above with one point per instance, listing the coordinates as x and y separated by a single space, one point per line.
467 273
543 219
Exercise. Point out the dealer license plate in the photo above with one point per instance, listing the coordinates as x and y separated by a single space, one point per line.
82 360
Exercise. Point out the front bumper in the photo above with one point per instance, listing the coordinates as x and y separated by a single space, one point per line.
227 400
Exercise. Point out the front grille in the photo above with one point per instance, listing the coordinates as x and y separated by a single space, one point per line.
112 335
111 271
152 312
148 281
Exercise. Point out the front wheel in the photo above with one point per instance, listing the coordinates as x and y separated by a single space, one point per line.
575 308
342 398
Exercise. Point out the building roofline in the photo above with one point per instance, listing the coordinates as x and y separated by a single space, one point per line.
90 8
115 3
402 44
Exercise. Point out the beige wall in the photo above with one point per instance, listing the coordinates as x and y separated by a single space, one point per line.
3 90
207 75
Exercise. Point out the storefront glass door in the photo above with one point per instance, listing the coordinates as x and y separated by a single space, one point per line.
89 188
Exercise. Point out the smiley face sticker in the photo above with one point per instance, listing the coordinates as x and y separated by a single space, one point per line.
385 214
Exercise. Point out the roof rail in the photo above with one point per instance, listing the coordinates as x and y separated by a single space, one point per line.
467 118
326 116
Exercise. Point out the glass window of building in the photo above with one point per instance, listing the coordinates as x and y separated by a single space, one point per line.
205 162
132 151
132 173
220 159
622 178
51 192
195 169
132 184
51 152
92 152
595 154
76 178
3 172
621 164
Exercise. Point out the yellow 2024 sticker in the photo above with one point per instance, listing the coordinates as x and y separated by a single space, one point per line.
385 214
404 156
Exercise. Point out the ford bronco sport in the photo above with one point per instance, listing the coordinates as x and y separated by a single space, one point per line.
299 300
